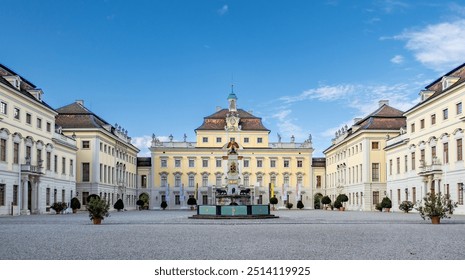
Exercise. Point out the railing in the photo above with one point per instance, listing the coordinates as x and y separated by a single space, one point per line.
31 168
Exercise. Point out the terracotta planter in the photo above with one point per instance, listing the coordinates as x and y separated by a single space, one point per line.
435 220
97 221
387 209
74 211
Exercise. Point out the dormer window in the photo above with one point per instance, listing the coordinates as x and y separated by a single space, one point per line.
447 81
37 93
425 94
14 81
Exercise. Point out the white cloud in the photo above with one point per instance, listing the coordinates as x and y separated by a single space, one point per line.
223 10
144 142
439 47
324 93
398 59
287 126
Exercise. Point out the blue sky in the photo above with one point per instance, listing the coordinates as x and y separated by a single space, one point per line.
303 66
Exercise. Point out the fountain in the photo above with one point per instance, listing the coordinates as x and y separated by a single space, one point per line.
233 202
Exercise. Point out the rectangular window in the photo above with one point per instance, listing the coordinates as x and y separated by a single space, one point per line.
15 195
143 181
272 163
63 194
433 119
2 150
460 194
86 144
414 195
47 196
204 162
246 140
259 163
422 156
48 161
71 168
259 140
39 123
218 139
299 163
16 153
458 107
398 196
191 180
85 195
246 163
433 152
375 172
405 163
28 118
375 197
445 114
375 145
55 162
413 160
446 152
2 194
205 139
218 163
17 113
39 157
177 163
3 108
390 167
85 172
177 200
164 163
318 181
412 128
459 150
63 165
422 123
398 165
191 163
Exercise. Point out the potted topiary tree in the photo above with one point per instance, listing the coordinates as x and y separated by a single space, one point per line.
273 201
163 205
386 204
300 205
192 202
435 207
406 206
140 203
119 205
58 207
379 207
317 200
75 204
342 198
326 201
98 210
338 205
92 196
289 205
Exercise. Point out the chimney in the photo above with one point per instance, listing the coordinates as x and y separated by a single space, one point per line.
383 102
218 108
80 102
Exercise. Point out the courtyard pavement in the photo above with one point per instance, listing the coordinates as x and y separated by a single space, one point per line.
171 235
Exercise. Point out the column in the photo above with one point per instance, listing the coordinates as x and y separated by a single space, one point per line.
24 192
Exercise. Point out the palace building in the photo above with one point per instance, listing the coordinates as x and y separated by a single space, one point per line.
355 162
106 159
197 169
37 161
428 153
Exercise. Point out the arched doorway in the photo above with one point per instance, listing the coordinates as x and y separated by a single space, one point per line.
146 199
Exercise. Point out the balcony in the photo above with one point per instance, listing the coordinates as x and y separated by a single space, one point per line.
31 169
434 168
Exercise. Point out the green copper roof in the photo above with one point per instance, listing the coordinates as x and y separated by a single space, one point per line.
232 95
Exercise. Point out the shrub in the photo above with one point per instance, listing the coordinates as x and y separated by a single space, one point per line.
300 205
273 200
191 201
75 203
386 203
119 205
436 205
342 198
326 200
163 205
337 204
233 204
139 202
289 205
379 207
98 208
406 206
92 196
59 206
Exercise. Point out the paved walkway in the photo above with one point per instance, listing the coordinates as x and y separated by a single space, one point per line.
297 234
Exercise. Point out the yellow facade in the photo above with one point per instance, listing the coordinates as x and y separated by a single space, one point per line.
355 163
183 169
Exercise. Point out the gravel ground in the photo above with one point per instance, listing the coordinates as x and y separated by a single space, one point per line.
170 235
